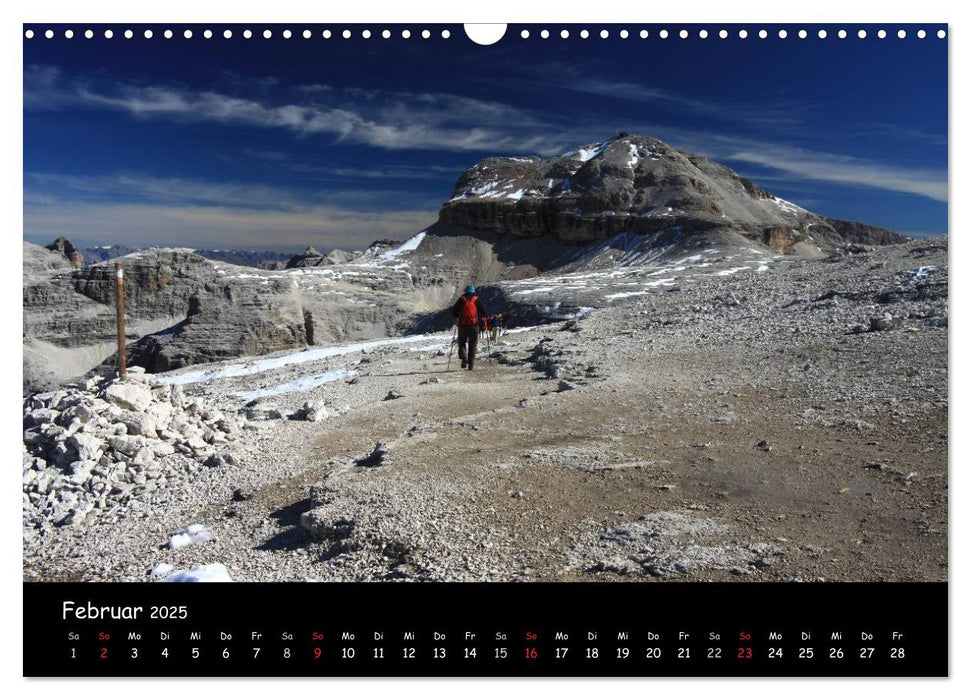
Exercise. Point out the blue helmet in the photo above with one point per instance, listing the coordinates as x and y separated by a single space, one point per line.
470 289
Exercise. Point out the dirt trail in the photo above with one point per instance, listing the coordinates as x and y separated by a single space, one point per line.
546 473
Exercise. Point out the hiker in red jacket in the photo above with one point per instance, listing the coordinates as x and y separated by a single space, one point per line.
468 311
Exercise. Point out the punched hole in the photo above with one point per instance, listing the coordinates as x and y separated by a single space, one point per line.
488 34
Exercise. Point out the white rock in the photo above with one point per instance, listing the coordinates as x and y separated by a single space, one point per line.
79 412
163 449
315 411
181 426
74 426
127 445
134 397
196 443
140 424
161 412
88 447
145 457
78 514
176 395
82 468
39 416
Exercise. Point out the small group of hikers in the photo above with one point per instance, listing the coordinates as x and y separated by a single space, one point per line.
491 326
473 321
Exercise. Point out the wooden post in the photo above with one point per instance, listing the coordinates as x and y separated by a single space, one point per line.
120 296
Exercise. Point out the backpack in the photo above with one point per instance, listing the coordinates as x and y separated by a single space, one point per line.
469 315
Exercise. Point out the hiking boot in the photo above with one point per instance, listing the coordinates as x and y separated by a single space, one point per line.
464 364
470 366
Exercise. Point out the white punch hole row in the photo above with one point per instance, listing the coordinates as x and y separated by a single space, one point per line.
486 34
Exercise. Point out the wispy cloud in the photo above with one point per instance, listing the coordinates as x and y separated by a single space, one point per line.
883 130
398 172
586 77
189 191
394 171
129 188
379 118
803 164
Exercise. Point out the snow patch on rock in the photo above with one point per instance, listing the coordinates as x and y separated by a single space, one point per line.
205 573
191 534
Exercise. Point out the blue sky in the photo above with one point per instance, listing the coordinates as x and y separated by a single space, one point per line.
280 143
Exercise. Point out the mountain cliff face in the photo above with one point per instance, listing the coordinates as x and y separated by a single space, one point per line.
40 262
864 234
77 307
636 185
183 309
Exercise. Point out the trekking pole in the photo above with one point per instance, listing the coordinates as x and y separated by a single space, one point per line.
451 345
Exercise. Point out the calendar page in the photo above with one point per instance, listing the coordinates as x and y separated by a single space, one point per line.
593 349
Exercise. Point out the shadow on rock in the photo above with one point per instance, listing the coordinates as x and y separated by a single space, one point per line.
295 536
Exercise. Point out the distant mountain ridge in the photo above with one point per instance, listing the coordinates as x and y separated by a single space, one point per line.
94 254
263 259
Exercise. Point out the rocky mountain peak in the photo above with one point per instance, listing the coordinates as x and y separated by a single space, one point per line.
311 257
631 184
71 252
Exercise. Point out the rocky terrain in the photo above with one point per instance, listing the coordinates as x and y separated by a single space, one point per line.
701 381
184 309
603 222
700 411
